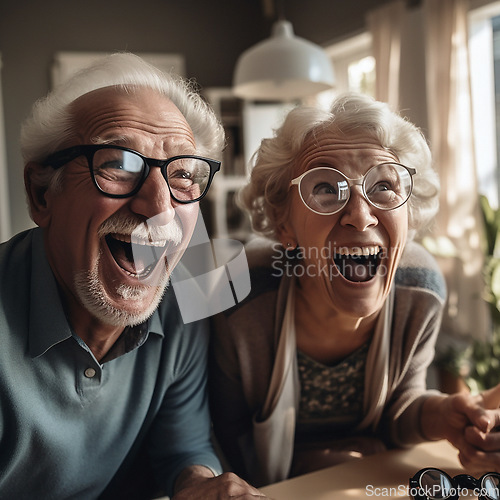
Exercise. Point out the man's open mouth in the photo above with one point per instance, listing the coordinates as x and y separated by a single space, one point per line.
358 264
137 257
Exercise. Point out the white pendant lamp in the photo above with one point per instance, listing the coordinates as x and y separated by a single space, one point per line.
284 67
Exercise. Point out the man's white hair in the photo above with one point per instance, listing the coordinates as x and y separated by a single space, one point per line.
51 123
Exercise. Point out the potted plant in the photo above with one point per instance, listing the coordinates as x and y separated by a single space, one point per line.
478 365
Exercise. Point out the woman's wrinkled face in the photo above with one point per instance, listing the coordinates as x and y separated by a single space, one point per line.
351 256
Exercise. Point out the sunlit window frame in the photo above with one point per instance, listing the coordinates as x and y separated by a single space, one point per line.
343 54
483 96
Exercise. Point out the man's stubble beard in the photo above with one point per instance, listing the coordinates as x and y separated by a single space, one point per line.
96 300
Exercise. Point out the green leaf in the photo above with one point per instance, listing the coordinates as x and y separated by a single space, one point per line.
495 281
491 220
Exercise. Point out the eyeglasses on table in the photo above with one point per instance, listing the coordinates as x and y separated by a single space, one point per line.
434 484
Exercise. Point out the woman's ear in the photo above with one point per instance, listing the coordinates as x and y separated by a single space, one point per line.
39 208
286 235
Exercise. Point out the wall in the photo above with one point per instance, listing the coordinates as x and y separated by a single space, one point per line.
211 35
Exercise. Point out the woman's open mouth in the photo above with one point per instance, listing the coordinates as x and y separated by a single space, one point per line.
358 264
137 257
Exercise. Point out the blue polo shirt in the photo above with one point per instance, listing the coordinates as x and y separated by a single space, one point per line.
69 424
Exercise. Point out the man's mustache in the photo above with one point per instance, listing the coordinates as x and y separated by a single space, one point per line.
139 229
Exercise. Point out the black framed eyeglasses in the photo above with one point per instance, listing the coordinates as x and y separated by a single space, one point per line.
434 484
326 190
119 172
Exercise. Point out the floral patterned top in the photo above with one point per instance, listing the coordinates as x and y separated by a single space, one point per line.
331 395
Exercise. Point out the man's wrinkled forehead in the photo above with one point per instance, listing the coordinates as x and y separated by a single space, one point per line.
103 114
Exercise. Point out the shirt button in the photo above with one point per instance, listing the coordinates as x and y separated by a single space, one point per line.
90 373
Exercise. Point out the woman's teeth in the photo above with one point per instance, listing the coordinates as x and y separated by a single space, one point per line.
357 263
357 251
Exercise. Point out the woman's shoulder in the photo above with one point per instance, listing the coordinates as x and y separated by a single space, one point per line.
419 269
264 265
266 262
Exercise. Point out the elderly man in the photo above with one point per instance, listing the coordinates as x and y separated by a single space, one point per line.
99 377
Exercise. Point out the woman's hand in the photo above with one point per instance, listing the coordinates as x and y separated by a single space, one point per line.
481 449
468 422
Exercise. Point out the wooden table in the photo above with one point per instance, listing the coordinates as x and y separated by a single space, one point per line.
384 475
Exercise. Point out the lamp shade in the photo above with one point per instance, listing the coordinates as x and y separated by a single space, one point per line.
283 67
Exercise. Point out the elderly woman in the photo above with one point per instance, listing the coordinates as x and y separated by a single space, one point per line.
326 360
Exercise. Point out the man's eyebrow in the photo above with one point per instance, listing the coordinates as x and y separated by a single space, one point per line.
118 140
122 140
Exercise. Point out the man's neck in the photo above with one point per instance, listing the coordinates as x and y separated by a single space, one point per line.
98 336
100 342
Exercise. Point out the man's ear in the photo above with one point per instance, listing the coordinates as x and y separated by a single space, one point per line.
39 208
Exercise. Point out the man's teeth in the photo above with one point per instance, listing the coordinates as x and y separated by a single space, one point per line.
137 257
160 243
143 274
358 251
139 241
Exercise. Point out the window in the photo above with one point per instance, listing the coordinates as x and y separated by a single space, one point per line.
354 64
484 55
354 68
361 75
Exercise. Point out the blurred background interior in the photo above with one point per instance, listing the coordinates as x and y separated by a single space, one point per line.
436 61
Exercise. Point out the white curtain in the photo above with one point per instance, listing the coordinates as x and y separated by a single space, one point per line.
448 126
451 137
385 24
4 191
